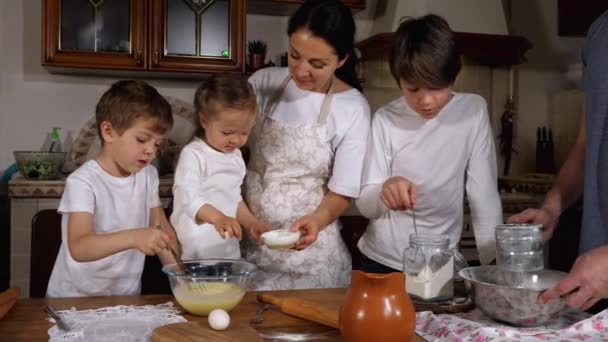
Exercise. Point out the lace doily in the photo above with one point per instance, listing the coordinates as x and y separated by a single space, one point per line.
115 324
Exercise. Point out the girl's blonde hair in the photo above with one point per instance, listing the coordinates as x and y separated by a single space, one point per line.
221 91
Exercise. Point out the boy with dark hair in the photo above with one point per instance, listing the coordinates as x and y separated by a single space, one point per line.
110 206
424 149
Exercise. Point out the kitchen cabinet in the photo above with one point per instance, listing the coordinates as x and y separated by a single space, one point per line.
287 7
349 3
145 35
574 17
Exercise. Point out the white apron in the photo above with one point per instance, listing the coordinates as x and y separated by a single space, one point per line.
286 179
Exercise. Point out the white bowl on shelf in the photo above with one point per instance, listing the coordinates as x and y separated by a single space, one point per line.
280 238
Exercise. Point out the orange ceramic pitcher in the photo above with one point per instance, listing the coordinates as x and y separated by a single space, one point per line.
377 308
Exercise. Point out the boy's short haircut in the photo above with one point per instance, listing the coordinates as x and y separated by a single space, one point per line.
424 53
220 91
129 100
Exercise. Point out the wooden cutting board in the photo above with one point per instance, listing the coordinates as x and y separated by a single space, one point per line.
199 331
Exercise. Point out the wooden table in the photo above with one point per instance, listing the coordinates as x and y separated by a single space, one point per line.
28 322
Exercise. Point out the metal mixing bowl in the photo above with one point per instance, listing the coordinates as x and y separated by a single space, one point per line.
494 294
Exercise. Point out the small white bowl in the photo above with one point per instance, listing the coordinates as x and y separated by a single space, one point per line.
280 238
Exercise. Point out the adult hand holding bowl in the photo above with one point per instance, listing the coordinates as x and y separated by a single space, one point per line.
516 306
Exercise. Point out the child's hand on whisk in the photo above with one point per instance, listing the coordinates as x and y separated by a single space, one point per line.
150 241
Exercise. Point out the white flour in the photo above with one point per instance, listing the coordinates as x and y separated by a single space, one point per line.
428 284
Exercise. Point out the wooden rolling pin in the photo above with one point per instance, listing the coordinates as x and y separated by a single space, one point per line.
304 309
8 299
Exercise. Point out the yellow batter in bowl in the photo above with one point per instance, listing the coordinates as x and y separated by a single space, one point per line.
202 298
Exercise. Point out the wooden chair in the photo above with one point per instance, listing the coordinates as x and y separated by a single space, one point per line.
46 240
353 228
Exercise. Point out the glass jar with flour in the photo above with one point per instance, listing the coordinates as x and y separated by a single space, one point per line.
429 267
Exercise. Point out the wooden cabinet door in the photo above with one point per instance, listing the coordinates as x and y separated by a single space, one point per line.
358 4
349 3
101 34
575 17
197 35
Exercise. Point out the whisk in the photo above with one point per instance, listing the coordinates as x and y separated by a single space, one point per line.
183 269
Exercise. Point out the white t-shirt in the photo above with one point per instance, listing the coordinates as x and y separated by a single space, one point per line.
439 156
347 123
116 203
206 176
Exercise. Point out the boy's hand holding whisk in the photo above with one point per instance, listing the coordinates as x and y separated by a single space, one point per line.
150 241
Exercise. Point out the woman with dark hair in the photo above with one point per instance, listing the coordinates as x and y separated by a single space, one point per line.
307 150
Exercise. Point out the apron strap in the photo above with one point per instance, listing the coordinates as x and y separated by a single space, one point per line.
276 97
325 107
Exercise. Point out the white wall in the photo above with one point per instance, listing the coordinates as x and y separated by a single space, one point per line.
541 77
32 100
481 16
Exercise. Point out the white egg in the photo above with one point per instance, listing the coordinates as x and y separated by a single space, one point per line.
219 319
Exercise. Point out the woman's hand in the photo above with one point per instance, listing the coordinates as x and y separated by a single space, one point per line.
309 227
398 193
258 229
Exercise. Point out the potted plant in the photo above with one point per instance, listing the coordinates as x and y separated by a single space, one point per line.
257 54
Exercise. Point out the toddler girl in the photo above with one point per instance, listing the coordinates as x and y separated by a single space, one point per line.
208 208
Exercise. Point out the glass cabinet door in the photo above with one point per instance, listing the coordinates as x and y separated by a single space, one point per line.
198 34
94 33
95 26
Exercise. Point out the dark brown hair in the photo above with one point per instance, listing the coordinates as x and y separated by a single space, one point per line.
129 100
332 21
220 91
424 52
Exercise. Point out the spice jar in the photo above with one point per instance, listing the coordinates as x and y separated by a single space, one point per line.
429 265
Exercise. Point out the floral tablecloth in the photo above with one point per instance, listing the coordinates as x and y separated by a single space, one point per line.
476 327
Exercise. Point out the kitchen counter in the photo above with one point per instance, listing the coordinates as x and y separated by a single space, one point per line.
24 188
517 193
27 321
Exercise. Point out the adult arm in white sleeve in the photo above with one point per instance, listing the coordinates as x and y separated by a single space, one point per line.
376 170
350 152
482 190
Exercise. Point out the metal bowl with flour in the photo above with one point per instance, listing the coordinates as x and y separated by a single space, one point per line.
495 294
